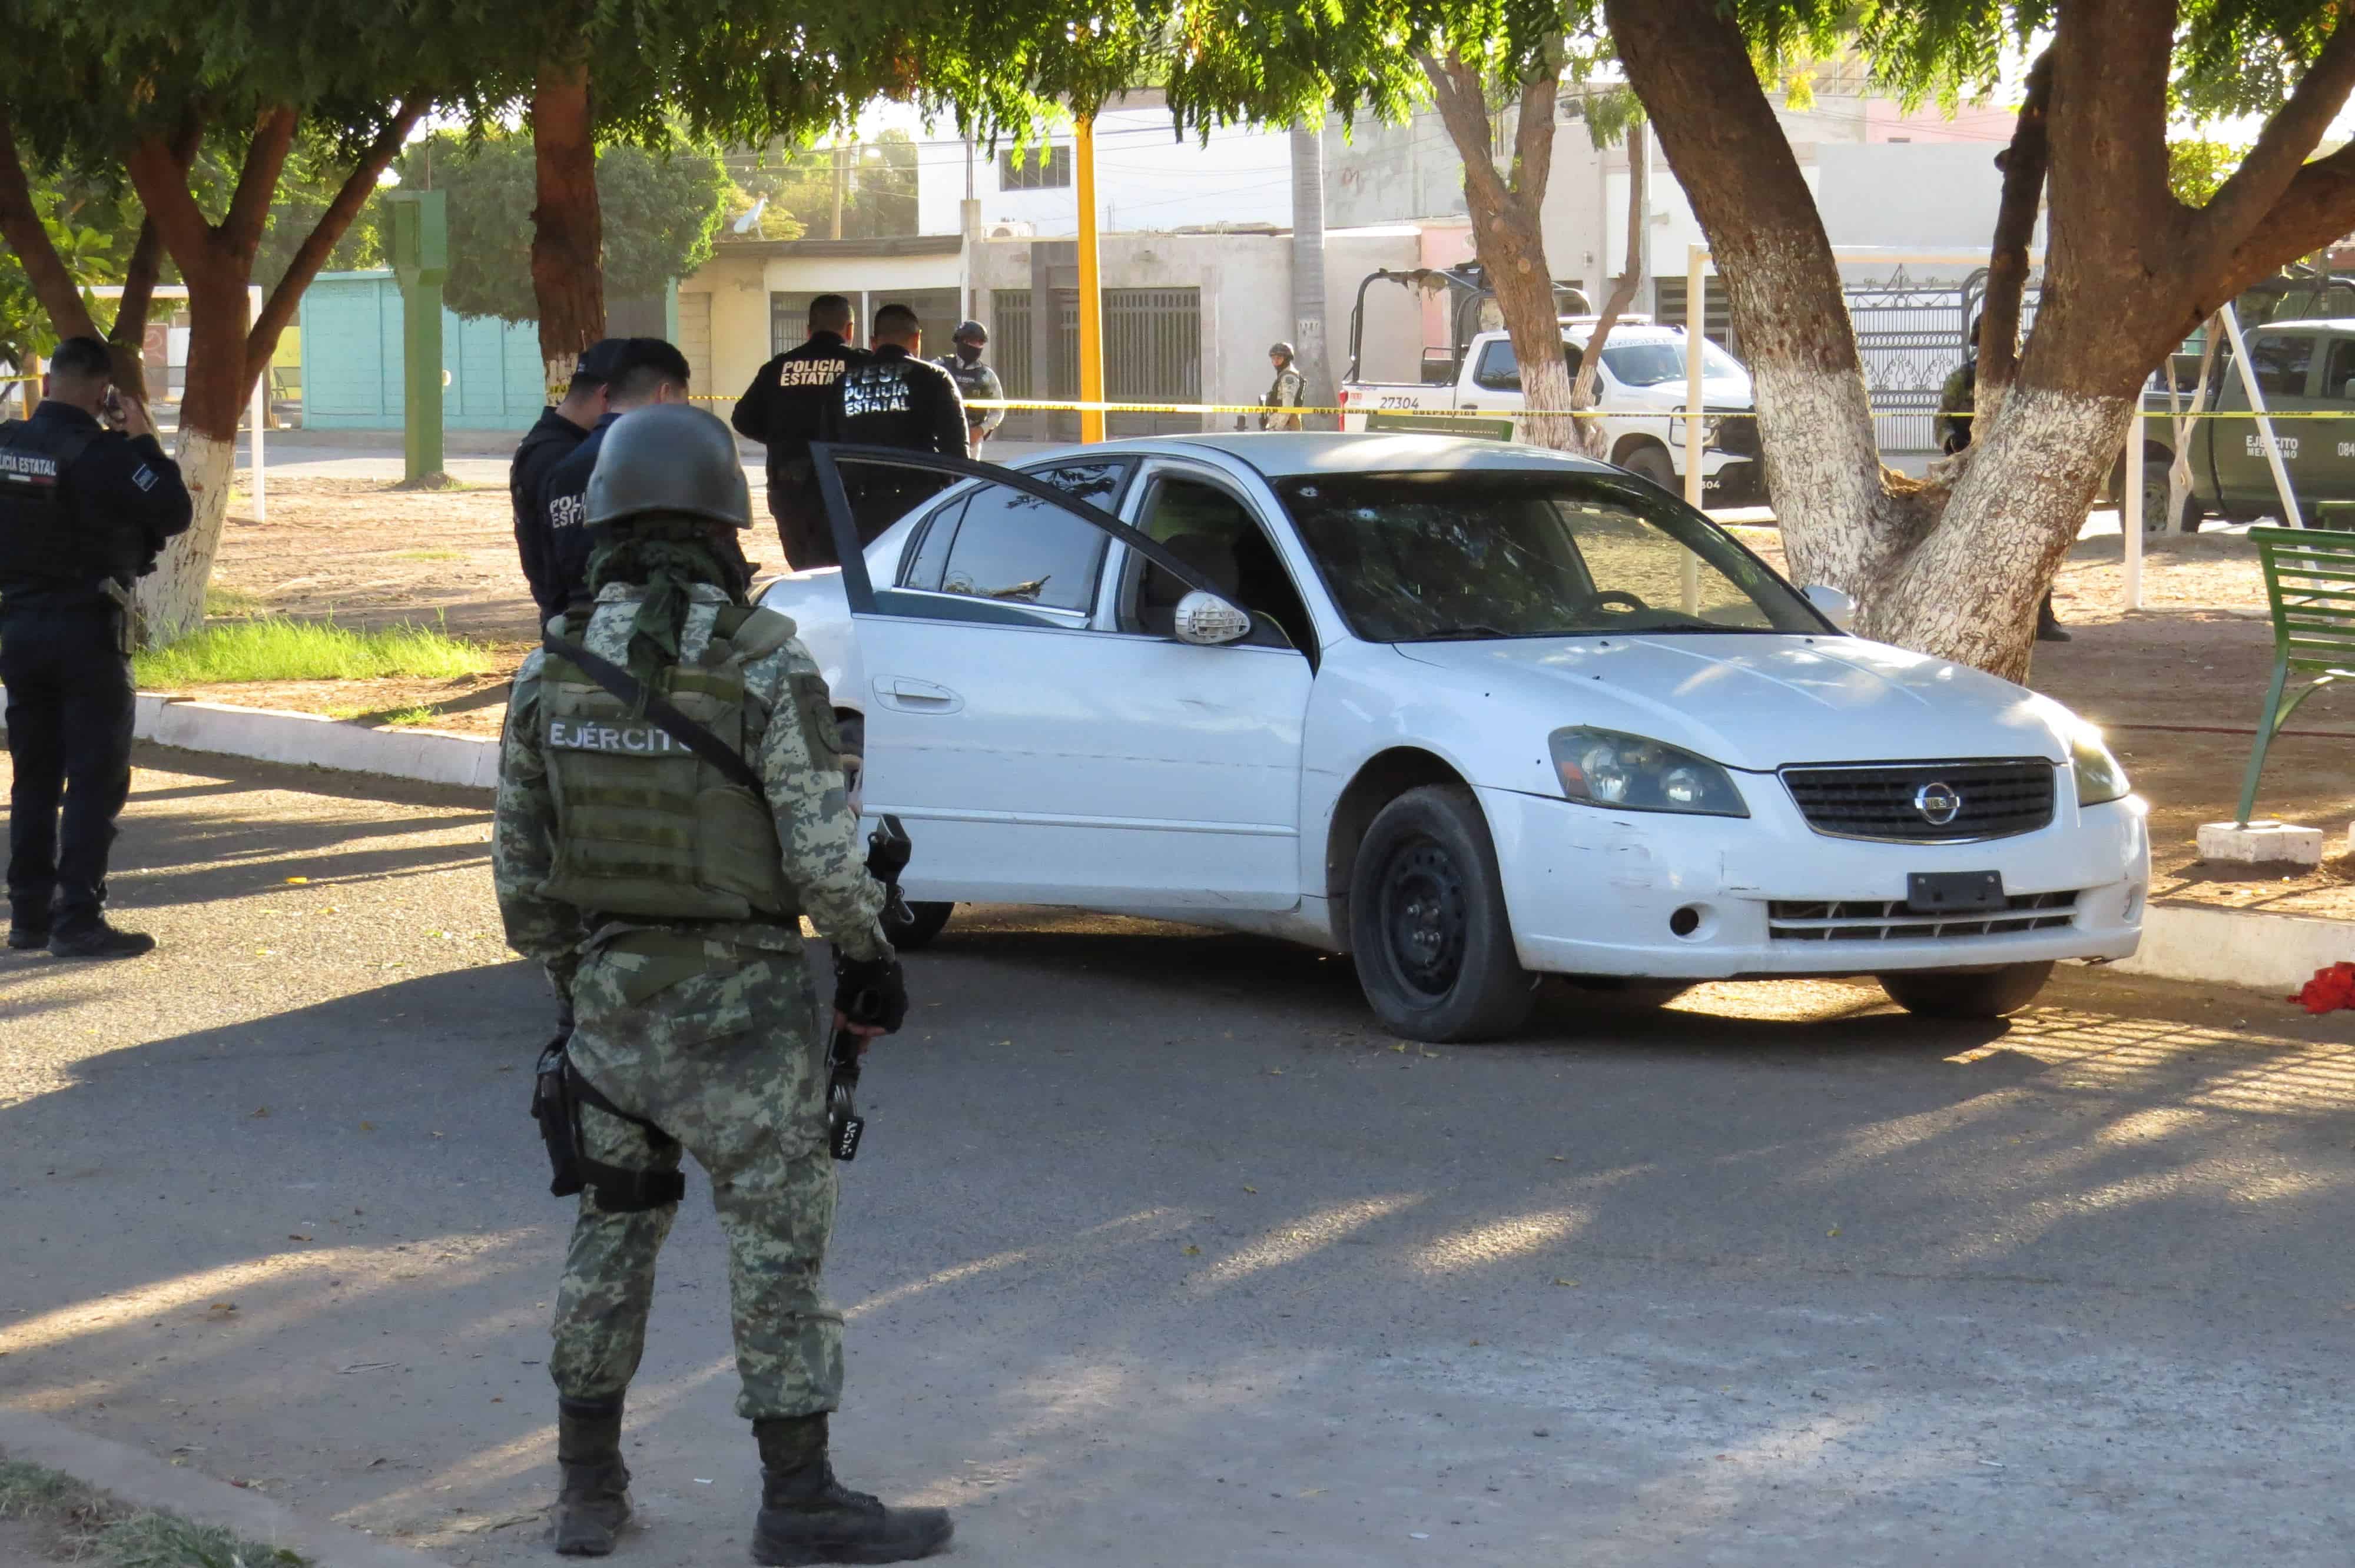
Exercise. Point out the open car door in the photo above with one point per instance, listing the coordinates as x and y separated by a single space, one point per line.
1038 751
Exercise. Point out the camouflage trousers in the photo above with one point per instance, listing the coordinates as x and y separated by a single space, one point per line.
724 1061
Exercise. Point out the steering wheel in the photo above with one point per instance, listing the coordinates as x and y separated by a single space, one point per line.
1615 596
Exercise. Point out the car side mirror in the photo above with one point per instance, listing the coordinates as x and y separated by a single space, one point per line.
1206 620
1838 608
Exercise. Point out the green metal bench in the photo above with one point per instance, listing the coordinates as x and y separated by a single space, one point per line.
2310 585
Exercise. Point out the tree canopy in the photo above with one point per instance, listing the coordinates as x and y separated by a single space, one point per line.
664 207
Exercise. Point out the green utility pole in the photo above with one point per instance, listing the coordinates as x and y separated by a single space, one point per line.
421 262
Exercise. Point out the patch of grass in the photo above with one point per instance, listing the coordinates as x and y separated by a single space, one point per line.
82 1525
275 648
429 555
223 602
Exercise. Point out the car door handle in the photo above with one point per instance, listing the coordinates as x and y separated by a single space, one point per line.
914 696
1469 407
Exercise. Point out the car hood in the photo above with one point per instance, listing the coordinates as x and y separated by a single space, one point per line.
1765 702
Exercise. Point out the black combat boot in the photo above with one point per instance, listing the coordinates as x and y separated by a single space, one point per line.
808 1516
2047 625
91 938
595 1501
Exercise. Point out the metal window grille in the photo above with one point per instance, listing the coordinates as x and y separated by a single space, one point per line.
1034 169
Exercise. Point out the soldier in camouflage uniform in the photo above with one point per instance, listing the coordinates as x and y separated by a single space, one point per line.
691 1002
1285 392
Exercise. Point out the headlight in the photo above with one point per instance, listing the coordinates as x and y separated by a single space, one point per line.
2100 775
1629 772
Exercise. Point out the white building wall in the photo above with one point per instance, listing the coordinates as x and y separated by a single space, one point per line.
1147 180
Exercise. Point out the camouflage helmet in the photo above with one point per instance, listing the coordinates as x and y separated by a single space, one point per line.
1281 348
668 456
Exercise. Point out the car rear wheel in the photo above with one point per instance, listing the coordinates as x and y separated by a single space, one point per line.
924 921
1974 993
1432 942
1652 462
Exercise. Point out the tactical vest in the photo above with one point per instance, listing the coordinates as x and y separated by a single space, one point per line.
37 535
646 828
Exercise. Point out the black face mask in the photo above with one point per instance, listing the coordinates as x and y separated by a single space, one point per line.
969 352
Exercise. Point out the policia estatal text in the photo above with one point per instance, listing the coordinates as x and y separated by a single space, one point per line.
84 510
671 804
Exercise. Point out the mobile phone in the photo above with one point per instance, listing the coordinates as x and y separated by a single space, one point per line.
111 411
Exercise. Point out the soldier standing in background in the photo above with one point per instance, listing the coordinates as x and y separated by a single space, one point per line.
672 938
85 508
1284 393
783 410
974 380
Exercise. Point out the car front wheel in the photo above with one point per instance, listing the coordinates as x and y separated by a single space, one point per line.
1432 942
1975 993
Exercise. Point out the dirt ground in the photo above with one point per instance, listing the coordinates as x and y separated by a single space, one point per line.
2177 685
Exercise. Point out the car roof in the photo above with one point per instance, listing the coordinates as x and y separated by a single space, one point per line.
2330 323
1285 453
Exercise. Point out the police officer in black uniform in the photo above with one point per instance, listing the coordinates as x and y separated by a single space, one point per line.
84 510
898 398
647 371
783 410
546 444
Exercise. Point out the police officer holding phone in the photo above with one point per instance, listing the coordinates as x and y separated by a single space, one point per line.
85 507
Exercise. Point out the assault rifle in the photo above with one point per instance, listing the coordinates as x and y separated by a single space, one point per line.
887 852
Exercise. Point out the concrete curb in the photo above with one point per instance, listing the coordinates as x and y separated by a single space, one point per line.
144 1481
2241 948
268 735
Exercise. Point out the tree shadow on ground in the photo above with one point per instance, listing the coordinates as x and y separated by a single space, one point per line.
1149 1224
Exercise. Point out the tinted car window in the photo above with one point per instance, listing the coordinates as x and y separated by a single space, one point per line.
2282 361
2339 373
1016 547
1500 371
1097 484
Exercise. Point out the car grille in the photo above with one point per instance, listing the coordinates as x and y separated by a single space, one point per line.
1878 801
1737 432
1875 920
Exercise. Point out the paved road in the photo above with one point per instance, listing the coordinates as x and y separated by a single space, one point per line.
1160 1253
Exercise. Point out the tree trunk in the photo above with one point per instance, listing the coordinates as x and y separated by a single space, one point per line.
1623 291
20 225
567 236
2178 472
1311 356
227 350
1701 92
1507 236
171 599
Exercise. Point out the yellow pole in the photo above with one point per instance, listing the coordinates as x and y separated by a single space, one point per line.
1091 381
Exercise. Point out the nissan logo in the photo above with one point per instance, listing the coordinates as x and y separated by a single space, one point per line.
1938 803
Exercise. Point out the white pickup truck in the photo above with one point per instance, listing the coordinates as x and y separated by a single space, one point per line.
1640 391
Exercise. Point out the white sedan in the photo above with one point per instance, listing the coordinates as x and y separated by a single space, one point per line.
1471 712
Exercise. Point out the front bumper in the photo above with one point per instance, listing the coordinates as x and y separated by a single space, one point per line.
1592 891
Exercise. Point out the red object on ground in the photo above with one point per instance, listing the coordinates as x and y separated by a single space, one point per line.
2329 989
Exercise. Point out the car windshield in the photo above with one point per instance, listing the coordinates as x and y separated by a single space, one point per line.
1650 364
1471 555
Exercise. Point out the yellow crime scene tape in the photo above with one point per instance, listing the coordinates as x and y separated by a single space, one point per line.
1075 406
